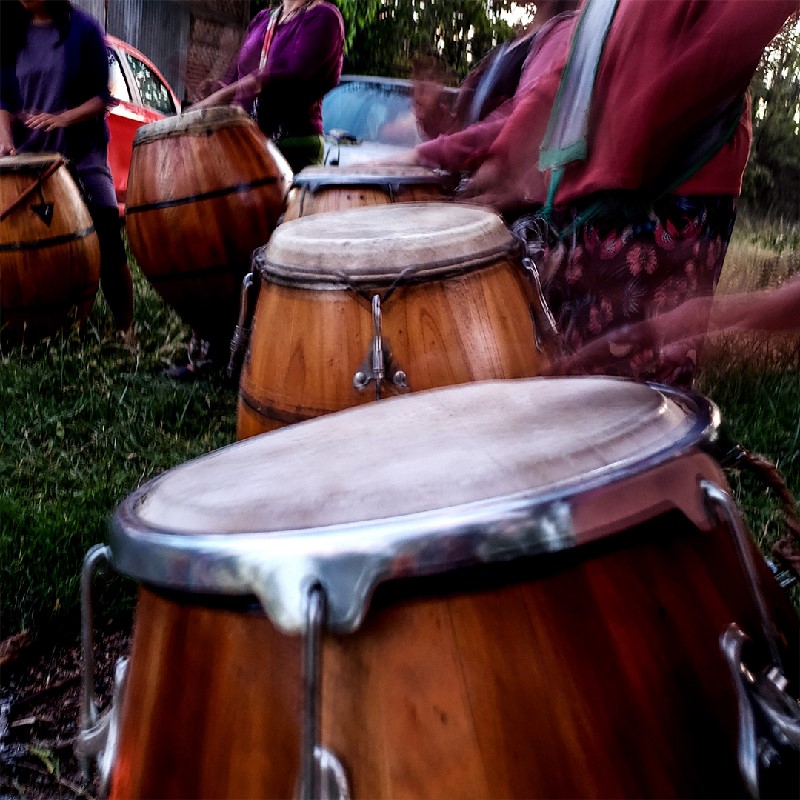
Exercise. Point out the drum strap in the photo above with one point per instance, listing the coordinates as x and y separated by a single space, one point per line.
26 193
268 34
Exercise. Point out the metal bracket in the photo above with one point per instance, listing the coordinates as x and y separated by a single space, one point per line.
99 741
769 719
241 333
322 776
97 737
379 364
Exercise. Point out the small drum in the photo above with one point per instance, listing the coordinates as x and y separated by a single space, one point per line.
49 252
205 189
320 189
368 302
504 589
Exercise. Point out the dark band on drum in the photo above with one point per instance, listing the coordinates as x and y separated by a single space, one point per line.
53 241
238 188
278 414
194 274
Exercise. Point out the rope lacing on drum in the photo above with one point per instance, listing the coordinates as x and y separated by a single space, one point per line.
42 176
787 549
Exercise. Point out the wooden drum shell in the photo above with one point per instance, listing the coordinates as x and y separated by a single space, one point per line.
323 190
49 274
591 673
200 200
306 345
527 585
441 282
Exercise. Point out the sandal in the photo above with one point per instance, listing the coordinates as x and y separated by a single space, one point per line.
191 371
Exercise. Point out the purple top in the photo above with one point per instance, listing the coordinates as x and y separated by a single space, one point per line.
51 77
304 63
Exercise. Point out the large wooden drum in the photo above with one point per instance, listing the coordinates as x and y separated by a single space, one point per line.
49 252
317 190
205 189
514 589
370 302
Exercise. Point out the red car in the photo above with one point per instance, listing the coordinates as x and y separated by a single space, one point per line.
143 96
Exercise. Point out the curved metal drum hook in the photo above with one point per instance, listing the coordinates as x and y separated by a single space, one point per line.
769 718
98 735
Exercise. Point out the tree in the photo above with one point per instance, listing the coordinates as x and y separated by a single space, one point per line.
389 35
772 179
385 37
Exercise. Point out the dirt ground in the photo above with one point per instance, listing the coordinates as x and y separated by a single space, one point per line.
40 694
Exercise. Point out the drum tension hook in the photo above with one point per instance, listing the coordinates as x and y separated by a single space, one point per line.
97 737
322 776
240 342
379 364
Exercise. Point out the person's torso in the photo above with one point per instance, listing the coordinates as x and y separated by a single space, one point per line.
664 68
41 76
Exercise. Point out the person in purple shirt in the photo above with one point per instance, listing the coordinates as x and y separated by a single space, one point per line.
53 98
290 57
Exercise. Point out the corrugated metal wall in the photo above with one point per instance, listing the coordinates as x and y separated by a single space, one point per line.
161 28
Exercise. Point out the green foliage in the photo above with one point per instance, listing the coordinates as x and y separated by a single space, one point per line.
456 34
772 179
385 37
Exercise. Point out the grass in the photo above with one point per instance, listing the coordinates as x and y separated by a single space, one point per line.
755 380
85 418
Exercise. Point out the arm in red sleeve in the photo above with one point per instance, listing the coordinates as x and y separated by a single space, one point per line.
465 150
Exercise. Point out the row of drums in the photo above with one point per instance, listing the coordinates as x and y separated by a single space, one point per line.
372 285
502 588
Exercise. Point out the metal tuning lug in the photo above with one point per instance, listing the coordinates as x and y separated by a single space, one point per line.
240 341
97 737
379 365
769 723
322 776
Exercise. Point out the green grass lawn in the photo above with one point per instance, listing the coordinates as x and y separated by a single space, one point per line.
85 418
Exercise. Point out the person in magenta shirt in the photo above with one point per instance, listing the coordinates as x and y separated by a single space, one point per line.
289 59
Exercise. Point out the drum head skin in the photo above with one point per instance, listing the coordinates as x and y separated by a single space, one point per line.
193 123
428 451
369 246
316 177
411 485
29 162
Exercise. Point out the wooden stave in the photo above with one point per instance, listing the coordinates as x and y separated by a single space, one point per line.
64 257
191 231
333 198
448 653
331 331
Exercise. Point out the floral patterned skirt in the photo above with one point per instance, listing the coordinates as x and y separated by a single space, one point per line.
618 270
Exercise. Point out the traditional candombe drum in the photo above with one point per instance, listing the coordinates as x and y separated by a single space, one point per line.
368 302
205 189
317 190
534 588
49 252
